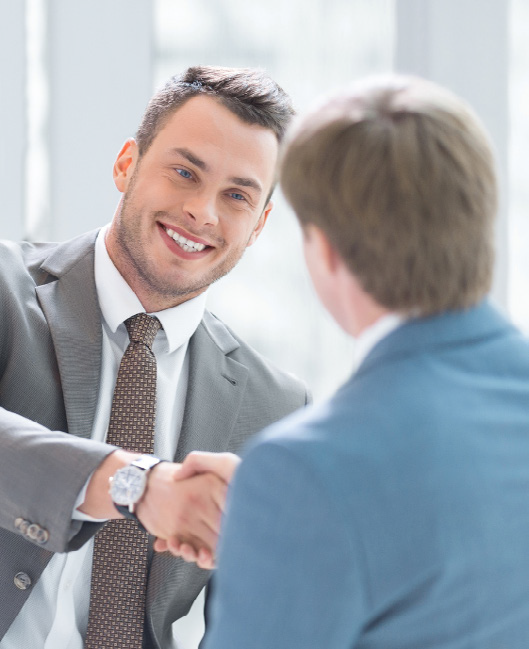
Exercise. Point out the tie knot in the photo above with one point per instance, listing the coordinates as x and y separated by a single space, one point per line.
143 328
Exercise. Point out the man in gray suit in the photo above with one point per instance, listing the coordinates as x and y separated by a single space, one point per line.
196 184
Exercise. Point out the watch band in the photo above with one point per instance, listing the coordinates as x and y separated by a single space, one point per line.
123 509
146 463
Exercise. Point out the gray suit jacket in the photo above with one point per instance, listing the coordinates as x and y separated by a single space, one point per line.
50 357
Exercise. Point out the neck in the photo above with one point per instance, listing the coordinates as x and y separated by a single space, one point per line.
367 315
360 310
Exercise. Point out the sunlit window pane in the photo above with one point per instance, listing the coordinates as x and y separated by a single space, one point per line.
309 47
519 166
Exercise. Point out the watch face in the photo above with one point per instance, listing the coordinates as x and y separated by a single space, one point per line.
128 485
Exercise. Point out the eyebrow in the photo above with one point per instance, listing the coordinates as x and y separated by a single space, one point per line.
191 157
251 183
247 182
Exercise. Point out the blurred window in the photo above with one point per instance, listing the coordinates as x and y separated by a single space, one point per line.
308 47
519 166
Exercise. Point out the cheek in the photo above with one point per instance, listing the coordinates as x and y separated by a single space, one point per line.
322 289
310 254
321 280
326 290
312 263
239 230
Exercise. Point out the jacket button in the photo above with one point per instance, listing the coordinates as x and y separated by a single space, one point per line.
21 524
42 536
22 580
33 531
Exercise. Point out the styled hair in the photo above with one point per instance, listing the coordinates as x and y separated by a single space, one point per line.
248 93
398 173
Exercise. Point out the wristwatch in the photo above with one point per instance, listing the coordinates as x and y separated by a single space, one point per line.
127 485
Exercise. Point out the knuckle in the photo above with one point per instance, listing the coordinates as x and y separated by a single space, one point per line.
213 480
181 519
195 498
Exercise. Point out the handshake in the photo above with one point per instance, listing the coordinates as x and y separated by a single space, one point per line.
182 505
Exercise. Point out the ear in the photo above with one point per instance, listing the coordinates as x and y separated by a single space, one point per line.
260 224
339 290
125 164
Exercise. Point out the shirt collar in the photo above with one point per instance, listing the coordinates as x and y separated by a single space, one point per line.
119 302
373 335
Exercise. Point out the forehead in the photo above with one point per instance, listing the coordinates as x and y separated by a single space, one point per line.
218 137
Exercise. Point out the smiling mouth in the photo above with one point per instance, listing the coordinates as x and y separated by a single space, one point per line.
186 244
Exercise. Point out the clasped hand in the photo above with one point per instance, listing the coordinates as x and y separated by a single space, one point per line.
183 505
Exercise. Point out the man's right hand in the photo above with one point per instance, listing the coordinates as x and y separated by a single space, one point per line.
186 511
177 511
197 463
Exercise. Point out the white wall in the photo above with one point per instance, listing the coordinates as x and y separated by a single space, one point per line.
12 117
91 77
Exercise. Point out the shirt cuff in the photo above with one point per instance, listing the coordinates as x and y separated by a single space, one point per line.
79 516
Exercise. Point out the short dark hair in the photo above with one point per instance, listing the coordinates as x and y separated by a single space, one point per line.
399 174
248 93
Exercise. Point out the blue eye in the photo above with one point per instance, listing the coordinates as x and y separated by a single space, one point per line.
237 197
184 173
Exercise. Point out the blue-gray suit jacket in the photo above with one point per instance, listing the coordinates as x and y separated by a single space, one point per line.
50 360
397 514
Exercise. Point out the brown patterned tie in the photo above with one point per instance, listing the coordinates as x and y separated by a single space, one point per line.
119 570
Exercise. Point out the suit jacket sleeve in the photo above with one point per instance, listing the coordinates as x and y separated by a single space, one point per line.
42 470
287 577
41 474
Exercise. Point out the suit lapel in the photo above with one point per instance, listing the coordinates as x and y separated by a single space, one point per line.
72 311
215 389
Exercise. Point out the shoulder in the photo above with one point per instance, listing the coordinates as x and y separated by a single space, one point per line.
301 439
36 262
15 256
20 269
262 373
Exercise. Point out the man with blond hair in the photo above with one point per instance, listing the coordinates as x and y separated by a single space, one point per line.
395 515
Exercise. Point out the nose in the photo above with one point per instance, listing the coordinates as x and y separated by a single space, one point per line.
200 207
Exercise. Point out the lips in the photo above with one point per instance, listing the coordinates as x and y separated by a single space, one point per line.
186 243
184 247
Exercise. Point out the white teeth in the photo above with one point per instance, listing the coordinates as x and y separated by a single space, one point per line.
185 244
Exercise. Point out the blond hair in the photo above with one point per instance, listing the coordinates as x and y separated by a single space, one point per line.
399 175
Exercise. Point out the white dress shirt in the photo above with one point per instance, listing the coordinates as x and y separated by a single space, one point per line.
55 615
373 335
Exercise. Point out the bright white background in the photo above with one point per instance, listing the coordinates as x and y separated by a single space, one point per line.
75 76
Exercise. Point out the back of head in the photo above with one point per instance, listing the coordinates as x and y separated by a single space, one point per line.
249 93
399 175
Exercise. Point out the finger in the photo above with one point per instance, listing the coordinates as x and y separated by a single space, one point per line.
186 550
205 559
189 509
219 493
221 464
173 545
201 536
188 553
191 466
160 545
